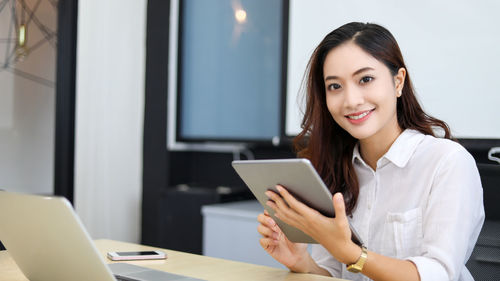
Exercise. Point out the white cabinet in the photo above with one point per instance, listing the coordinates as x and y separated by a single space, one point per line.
230 232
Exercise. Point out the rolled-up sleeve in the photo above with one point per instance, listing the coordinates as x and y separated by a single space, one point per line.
452 220
324 260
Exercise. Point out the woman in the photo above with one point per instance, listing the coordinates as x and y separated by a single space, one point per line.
414 198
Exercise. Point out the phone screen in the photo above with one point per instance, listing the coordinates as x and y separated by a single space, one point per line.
139 253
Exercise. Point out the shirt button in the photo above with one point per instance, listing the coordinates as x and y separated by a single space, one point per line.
369 206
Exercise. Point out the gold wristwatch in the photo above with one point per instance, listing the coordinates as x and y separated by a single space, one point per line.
358 265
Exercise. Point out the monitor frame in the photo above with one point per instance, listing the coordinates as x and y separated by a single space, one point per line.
174 139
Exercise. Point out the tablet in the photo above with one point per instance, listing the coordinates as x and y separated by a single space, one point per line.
300 178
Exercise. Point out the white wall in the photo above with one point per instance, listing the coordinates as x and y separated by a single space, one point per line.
27 111
450 47
109 117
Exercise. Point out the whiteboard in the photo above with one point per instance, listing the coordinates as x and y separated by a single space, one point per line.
451 49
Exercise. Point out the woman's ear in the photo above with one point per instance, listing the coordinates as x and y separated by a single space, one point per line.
399 81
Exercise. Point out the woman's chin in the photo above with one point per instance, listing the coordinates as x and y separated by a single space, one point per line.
361 133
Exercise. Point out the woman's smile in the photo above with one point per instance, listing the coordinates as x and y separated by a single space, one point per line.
359 117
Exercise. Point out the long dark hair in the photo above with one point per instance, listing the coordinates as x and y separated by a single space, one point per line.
322 140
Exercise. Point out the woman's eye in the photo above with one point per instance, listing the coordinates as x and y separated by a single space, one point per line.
334 86
366 79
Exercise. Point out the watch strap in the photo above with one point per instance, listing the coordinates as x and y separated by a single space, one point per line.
358 265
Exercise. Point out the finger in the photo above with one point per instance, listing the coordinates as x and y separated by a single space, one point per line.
287 215
266 243
339 207
283 213
294 204
266 220
281 209
295 209
271 204
269 222
267 232
272 195
268 216
276 201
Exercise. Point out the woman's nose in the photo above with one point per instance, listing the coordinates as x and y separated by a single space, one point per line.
353 97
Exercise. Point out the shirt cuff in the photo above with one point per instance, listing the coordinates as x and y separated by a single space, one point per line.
333 272
429 269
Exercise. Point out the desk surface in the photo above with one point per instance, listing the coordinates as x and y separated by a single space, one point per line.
180 263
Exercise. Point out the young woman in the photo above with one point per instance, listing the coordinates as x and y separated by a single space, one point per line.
414 198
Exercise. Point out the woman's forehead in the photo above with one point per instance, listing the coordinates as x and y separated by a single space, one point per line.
346 59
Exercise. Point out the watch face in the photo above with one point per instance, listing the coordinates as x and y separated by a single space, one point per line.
353 268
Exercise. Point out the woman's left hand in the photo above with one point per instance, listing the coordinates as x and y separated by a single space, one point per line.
333 233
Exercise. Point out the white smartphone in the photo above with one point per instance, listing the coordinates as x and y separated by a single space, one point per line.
137 255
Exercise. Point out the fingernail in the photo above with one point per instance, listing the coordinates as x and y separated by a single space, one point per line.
271 222
268 194
279 188
275 236
339 197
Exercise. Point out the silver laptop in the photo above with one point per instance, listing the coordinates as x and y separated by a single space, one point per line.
48 242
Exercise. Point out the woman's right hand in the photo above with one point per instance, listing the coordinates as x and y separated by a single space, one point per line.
292 255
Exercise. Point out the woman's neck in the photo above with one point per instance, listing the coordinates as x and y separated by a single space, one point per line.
374 147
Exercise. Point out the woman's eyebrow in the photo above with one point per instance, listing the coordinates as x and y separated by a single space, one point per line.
332 77
362 70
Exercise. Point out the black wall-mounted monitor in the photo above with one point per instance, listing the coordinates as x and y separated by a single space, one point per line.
231 70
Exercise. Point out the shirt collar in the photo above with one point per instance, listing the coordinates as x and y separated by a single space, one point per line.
400 151
356 154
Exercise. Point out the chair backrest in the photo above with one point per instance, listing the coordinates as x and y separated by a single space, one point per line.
490 178
484 263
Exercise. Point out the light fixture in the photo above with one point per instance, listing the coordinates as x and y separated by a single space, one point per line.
29 27
240 15
21 48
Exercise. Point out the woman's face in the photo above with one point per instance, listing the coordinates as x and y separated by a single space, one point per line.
361 92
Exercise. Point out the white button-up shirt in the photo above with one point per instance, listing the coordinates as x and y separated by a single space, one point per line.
424 203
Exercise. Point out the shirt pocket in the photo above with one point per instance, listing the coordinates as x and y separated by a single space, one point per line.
403 233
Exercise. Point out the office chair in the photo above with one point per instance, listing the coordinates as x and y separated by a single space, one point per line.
484 263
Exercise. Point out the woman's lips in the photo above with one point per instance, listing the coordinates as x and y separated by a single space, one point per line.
359 117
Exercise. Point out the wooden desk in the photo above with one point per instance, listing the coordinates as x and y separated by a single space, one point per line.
181 263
